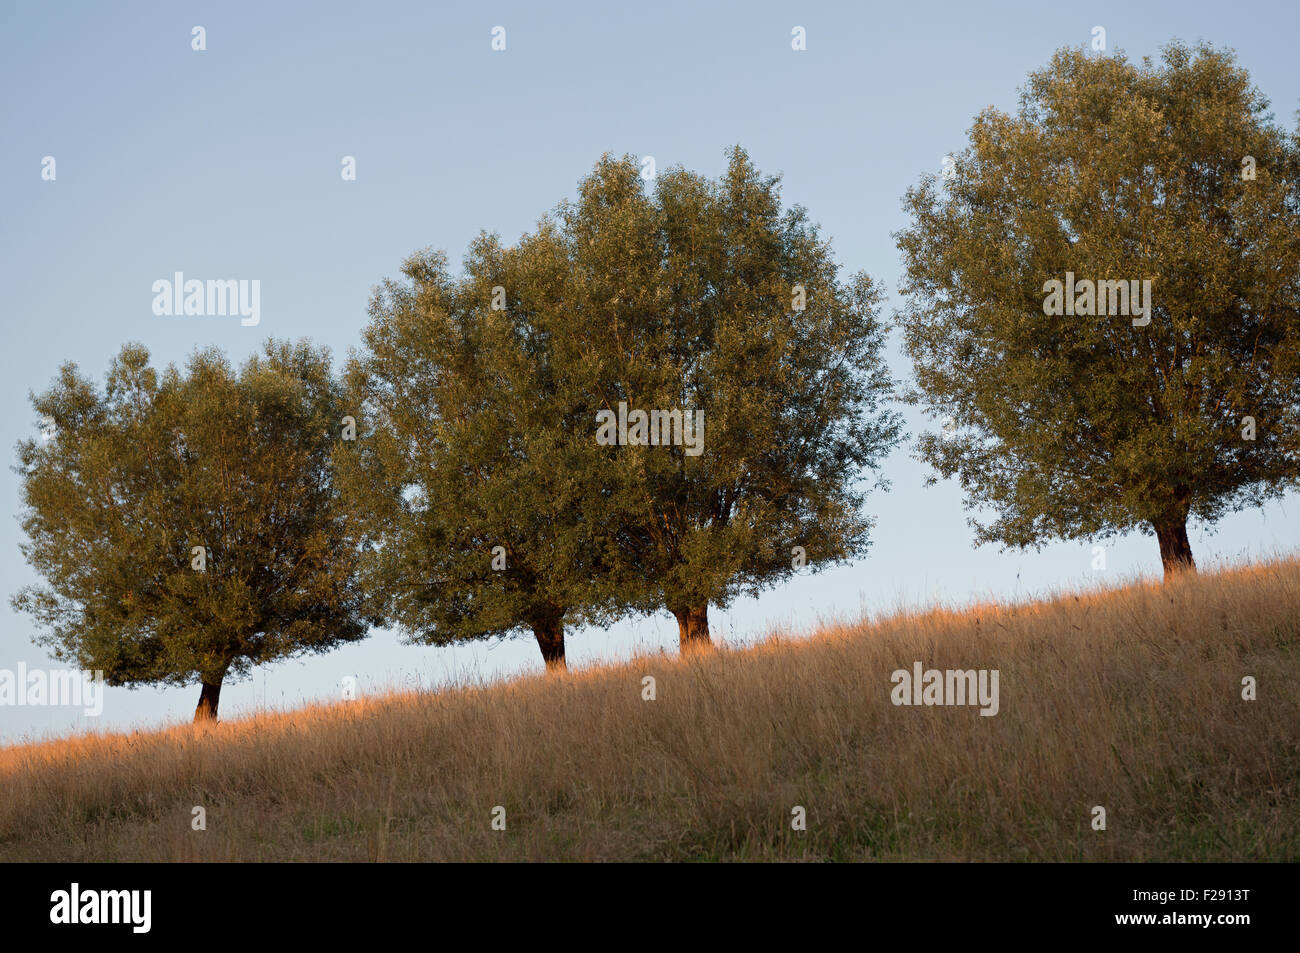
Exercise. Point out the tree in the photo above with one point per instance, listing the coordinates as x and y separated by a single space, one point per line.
475 472
707 297
489 400
187 525
1075 413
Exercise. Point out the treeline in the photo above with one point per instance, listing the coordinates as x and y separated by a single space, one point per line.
663 398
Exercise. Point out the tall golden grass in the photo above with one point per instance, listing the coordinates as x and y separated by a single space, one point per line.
1128 699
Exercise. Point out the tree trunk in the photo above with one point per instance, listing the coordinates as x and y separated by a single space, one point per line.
550 639
693 629
1175 549
207 708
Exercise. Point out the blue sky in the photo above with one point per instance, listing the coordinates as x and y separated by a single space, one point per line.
225 163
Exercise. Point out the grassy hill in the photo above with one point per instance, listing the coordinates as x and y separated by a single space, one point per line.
1129 699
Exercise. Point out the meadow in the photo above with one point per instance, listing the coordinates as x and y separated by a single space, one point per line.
1129 699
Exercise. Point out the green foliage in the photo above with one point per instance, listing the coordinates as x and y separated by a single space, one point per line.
470 438
139 474
688 301
1078 426
479 425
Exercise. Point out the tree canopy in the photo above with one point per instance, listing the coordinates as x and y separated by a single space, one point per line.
475 471
186 525
710 296
1095 418
706 320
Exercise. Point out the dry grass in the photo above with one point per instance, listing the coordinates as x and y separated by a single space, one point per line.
1129 699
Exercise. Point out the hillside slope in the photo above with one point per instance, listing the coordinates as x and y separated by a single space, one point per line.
1130 700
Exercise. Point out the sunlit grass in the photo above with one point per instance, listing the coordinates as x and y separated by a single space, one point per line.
1129 699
